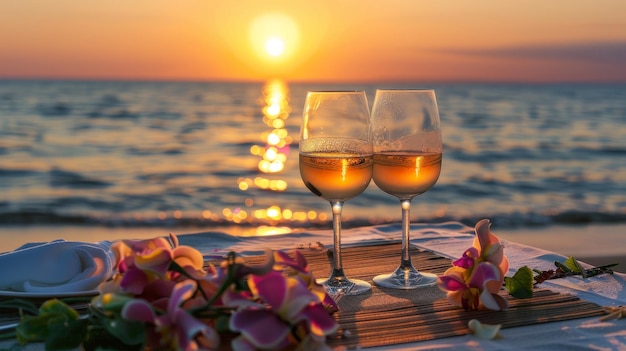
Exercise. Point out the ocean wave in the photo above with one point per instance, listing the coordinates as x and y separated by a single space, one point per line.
17 172
503 221
56 109
190 154
543 152
160 150
61 178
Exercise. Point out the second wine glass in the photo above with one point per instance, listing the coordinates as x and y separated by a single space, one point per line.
336 164
407 145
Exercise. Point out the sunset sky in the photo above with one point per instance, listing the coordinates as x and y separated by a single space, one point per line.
323 40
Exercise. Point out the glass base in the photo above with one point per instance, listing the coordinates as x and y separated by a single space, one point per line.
405 278
337 287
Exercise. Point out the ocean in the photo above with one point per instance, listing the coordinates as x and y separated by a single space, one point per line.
225 155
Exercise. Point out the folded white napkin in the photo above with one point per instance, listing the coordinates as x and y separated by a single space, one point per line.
56 267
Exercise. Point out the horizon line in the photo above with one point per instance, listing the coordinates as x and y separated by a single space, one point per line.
308 81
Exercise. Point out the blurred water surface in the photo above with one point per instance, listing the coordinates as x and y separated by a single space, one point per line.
203 154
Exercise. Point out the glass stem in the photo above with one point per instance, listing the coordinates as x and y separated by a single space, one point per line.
337 272
405 262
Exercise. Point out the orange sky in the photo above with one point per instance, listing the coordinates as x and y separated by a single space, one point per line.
324 40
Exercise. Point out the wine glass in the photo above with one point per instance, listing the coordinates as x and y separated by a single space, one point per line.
406 136
336 164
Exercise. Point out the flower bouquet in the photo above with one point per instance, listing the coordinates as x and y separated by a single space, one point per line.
164 297
475 280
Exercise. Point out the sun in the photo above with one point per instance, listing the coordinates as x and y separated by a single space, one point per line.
275 46
274 37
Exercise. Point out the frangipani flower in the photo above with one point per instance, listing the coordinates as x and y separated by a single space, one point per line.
475 279
162 298
240 270
142 262
126 250
299 268
185 332
155 255
489 246
286 306
177 329
470 289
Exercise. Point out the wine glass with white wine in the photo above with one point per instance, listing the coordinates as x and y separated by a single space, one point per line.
336 164
406 134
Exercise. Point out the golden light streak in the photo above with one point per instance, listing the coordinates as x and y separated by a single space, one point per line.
270 230
418 161
273 156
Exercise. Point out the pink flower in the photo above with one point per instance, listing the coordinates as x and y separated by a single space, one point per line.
241 270
489 246
470 290
475 279
467 260
155 255
141 262
126 251
286 306
163 297
176 329
165 287
299 267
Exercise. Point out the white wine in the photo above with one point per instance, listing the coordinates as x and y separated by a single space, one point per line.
336 176
406 174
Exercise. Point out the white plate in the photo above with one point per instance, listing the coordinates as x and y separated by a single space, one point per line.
35 295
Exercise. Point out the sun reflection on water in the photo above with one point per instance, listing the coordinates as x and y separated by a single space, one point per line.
276 110
273 156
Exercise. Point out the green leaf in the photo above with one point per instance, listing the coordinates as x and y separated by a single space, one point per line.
128 332
56 307
65 334
38 328
573 264
563 267
98 339
521 284
32 328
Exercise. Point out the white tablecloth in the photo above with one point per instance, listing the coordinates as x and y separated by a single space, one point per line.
450 240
